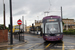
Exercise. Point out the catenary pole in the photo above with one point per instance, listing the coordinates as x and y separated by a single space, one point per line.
4 13
61 13
23 22
11 35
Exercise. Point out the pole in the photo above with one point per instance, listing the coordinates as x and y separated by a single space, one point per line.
61 18
11 37
19 32
23 22
61 14
4 13
25 26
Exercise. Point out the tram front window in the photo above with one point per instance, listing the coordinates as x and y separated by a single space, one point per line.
52 27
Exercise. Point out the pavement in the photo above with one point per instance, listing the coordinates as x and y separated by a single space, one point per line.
15 43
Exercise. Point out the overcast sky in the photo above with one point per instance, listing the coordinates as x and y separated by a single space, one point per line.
30 9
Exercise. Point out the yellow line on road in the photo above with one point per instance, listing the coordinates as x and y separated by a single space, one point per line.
17 49
55 49
48 45
63 46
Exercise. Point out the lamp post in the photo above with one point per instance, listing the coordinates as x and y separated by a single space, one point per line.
11 37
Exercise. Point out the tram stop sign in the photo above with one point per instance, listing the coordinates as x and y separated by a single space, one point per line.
19 22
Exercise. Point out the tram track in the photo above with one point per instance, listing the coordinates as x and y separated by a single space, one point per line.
35 46
49 46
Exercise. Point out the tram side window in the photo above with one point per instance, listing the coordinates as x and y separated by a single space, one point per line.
42 26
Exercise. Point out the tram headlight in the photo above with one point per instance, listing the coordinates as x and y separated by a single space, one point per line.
46 35
58 35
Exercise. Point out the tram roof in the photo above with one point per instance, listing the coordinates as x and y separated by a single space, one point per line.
51 16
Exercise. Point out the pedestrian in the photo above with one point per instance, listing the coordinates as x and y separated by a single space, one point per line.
41 31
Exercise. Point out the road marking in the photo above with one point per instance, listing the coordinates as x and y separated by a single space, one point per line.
63 46
18 46
55 49
17 49
48 45
34 45
36 36
70 43
38 49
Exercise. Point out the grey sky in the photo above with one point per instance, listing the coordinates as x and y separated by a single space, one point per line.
30 9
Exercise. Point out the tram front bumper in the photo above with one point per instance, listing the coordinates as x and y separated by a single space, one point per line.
53 38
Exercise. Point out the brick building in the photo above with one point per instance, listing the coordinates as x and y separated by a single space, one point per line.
69 24
28 28
38 23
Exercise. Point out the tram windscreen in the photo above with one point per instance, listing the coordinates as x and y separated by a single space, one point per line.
52 27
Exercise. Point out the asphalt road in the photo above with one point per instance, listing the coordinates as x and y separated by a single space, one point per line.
35 42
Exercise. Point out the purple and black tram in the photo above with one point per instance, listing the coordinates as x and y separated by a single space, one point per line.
52 28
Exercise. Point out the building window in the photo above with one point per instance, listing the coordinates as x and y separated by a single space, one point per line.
68 26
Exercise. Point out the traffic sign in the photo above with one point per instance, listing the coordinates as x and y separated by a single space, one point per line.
19 22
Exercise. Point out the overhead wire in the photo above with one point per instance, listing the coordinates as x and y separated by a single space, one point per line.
49 4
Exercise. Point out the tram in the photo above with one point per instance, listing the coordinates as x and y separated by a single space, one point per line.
52 28
15 29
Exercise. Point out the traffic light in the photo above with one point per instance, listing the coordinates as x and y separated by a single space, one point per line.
33 27
9 26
